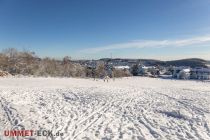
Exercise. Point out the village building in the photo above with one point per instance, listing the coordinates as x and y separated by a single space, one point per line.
148 70
122 67
200 73
181 72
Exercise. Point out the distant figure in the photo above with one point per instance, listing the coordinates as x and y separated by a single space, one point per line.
106 78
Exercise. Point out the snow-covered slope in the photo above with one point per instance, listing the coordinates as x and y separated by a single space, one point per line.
128 108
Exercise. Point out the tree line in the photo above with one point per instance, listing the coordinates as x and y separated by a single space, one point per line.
28 63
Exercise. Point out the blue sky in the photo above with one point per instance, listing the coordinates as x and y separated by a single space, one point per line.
92 29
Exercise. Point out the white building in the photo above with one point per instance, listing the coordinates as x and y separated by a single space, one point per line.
148 70
122 67
201 73
181 72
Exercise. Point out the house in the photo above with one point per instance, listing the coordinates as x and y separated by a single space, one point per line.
122 67
188 73
143 69
148 70
181 72
200 73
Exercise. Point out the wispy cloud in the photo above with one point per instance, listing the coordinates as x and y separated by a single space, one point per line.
152 44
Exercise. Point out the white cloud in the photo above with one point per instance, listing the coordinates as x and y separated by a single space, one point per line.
152 44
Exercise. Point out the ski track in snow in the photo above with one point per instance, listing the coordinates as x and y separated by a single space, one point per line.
127 108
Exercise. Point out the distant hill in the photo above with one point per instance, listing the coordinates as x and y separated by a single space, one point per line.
191 62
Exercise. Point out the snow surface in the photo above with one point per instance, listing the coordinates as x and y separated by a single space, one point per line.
133 108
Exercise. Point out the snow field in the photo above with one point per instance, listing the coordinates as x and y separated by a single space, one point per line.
128 108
